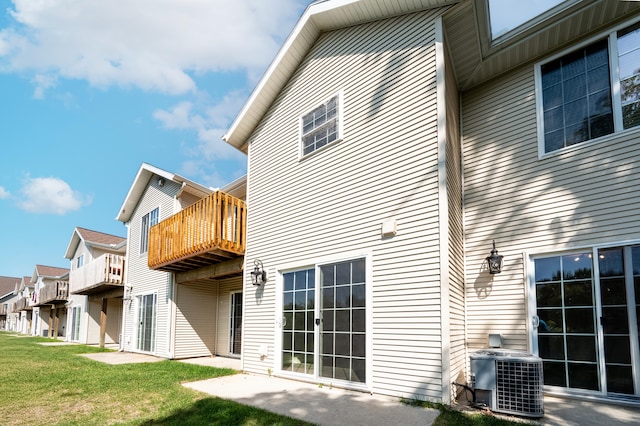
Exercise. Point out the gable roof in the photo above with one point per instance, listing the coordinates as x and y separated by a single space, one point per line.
318 17
25 282
8 285
94 239
49 272
141 181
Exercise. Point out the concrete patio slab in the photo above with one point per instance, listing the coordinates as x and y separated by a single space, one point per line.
57 343
312 403
215 361
121 357
575 412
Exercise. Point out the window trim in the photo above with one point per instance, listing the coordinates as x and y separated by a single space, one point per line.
145 230
614 73
339 117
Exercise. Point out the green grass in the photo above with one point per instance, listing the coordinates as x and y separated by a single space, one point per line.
53 385
452 417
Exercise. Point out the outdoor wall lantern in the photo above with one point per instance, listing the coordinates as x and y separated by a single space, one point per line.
494 261
258 275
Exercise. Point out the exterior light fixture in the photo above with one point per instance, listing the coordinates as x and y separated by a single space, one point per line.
258 275
494 261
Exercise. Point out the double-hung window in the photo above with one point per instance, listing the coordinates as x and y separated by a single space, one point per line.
590 92
321 126
148 220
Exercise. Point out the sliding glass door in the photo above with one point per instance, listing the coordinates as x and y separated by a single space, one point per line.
587 319
324 321
146 340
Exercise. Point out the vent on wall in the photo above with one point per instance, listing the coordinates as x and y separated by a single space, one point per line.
509 382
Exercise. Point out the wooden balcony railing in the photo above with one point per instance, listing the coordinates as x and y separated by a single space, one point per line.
24 304
101 274
54 292
209 231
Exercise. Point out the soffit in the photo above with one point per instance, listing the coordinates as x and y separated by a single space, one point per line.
476 60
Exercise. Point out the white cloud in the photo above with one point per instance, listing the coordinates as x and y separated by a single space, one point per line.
50 195
42 83
155 45
4 193
209 124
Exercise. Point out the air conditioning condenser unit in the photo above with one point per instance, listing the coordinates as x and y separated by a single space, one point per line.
508 381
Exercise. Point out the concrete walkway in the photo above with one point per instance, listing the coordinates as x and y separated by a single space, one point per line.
312 403
575 412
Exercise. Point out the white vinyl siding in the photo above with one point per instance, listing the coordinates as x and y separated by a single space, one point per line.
140 277
574 199
333 204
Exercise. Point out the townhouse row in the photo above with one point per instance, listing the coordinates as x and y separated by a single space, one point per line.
420 186
171 288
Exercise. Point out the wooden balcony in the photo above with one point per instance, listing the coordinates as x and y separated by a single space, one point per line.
24 304
210 231
53 293
105 273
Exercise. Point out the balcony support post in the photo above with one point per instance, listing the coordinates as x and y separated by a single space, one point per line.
56 321
51 312
103 321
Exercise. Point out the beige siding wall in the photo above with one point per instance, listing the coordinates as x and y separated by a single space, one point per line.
333 203
573 199
456 232
141 278
224 313
203 318
114 320
195 332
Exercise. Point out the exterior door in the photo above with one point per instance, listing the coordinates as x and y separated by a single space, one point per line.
324 321
587 319
146 340
75 323
235 338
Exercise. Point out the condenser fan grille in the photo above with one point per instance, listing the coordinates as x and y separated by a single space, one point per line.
519 385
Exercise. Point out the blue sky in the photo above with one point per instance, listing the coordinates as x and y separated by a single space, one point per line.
90 90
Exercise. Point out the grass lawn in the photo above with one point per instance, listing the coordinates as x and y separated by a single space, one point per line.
53 385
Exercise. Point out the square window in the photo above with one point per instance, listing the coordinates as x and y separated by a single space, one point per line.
321 126
576 97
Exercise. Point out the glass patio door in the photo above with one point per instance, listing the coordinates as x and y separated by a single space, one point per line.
587 319
146 323
235 337
75 324
618 272
324 321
